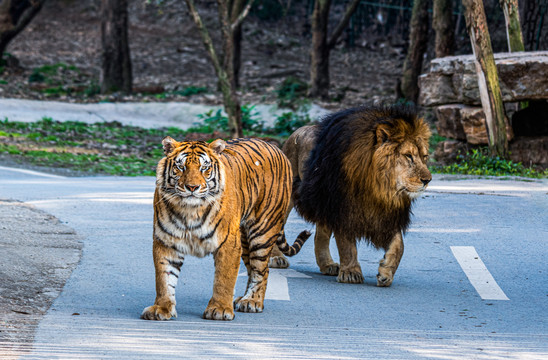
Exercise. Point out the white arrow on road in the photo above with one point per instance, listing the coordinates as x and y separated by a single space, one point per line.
277 288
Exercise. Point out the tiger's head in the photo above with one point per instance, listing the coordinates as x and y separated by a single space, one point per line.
191 171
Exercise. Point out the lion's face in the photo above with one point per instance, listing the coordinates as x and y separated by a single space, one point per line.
412 174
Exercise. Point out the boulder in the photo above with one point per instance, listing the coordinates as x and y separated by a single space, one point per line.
462 122
453 79
449 121
530 150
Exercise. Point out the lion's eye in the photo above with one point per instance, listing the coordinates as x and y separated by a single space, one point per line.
425 158
409 157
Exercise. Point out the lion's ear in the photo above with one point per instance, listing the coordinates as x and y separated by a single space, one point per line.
383 133
169 144
218 146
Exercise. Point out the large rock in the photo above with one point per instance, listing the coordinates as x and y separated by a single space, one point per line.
453 79
462 122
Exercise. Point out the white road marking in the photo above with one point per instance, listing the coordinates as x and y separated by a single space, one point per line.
477 273
277 288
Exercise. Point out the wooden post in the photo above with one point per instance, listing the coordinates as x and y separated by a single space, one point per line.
513 27
488 80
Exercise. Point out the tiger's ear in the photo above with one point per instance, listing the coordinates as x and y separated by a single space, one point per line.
382 133
218 146
169 144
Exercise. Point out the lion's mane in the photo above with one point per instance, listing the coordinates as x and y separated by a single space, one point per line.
349 182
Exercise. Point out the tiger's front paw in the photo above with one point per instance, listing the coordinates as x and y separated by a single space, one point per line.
157 312
248 305
279 262
350 276
216 311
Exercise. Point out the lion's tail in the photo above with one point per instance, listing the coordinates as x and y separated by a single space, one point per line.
290 250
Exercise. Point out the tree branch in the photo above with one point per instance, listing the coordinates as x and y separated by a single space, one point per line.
242 16
342 24
205 37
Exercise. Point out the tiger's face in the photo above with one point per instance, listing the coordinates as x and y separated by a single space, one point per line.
192 171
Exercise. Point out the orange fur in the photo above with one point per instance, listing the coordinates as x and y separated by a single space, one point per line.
226 199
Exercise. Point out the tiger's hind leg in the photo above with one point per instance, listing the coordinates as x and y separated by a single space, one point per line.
257 269
167 263
277 259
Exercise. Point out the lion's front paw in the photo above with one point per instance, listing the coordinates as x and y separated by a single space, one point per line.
330 269
385 275
384 281
248 305
279 262
215 311
157 312
350 276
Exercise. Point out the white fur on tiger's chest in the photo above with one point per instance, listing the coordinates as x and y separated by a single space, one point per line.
189 234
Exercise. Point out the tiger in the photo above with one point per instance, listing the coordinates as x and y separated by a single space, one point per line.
226 198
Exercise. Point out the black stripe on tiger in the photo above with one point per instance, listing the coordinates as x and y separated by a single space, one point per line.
294 249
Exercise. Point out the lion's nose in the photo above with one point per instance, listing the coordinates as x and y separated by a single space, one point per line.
192 188
426 181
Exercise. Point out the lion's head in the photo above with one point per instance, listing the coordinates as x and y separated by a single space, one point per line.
367 166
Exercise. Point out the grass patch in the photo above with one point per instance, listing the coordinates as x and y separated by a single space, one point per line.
100 148
478 162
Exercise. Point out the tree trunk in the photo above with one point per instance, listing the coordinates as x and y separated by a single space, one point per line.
224 70
418 41
15 15
513 27
321 46
442 22
236 7
488 81
116 62
319 53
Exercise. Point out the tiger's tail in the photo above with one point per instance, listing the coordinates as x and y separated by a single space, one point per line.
290 250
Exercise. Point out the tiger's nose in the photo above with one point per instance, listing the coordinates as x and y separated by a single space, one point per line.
192 188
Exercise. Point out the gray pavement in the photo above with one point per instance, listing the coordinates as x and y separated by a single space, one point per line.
434 309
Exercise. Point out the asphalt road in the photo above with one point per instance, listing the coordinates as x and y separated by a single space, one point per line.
472 283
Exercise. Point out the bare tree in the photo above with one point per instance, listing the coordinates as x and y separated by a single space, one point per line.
116 61
15 15
418 41
322 45
230 22
442 23
488 80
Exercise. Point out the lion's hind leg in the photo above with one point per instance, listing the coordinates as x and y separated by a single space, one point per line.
389 264
323 255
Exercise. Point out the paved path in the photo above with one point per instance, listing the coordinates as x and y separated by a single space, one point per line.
432 311
146 115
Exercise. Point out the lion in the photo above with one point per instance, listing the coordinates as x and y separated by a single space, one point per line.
356 175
